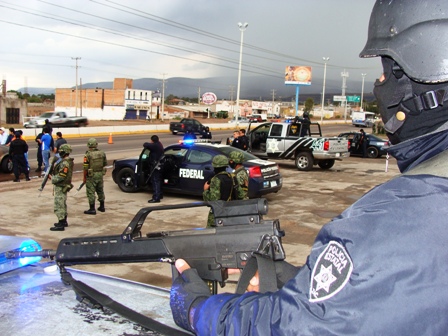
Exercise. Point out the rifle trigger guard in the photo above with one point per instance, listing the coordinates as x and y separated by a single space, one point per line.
271 247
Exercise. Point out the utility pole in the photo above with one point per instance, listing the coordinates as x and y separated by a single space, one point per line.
199 99
163 94
344 76
273 100
76 94
231 89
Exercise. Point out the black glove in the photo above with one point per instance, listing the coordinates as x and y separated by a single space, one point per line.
285 272
187 292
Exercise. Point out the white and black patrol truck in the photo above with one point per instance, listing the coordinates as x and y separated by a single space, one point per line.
298 141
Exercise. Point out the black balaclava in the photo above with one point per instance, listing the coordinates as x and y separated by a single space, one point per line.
409 108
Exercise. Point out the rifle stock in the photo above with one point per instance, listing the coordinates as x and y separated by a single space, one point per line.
240 232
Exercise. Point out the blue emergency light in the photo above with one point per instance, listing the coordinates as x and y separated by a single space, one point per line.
9 243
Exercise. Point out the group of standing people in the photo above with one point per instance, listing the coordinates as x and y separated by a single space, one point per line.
6 138
240 139
94 169
18 153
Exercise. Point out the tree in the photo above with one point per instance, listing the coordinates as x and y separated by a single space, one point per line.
309 104
371 107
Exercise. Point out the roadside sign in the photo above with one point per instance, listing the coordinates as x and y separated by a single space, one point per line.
339 98
209 98
353 99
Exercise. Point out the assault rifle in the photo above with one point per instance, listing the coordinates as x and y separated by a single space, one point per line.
47 174
239 232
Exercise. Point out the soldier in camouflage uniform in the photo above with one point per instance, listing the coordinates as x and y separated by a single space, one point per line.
62 181
220 187
236 160
94 169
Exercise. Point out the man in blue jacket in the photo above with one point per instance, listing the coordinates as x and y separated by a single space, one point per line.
379 268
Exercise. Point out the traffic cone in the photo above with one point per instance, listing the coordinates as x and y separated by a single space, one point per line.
110 139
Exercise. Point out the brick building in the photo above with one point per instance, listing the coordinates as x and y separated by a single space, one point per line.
119 103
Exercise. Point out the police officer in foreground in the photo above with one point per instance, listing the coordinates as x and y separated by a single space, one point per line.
62 181
379 268
94 168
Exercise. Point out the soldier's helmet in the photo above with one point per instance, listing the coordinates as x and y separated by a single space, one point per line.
220 161
65 149
236 157
92 143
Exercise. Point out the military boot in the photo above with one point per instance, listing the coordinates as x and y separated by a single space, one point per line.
59 226
91 211
101 207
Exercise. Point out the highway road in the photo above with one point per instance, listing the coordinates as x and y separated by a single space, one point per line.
125 146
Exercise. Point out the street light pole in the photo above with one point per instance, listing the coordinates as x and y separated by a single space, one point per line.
242 27
76 94
326 59
362 91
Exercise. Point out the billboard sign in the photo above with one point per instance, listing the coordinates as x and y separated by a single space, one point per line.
339 98
209 98
298 75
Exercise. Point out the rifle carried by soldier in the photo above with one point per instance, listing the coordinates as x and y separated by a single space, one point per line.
79 188
48 173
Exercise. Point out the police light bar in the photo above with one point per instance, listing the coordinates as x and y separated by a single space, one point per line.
20 244
195 141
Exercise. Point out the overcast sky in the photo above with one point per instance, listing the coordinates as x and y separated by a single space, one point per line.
179 38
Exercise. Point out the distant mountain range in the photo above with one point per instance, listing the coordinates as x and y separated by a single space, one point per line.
252 88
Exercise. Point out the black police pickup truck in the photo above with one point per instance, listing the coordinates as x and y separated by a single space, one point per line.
185 125
187 166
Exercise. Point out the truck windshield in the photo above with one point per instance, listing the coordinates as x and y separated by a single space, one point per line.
47 115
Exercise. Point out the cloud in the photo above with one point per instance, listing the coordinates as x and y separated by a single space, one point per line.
179 38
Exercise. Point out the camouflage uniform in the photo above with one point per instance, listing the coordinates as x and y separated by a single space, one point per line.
62 181
221 186
241 175
94 169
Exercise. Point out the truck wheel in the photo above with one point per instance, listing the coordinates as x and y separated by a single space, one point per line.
304 161
125 180
372 152
174 132
326 164
6 165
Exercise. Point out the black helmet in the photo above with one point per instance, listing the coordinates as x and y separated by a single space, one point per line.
410 36
413 33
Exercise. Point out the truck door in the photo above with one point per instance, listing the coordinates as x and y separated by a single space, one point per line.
275 143
258 138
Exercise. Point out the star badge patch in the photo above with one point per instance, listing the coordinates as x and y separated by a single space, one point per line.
272 146
330 273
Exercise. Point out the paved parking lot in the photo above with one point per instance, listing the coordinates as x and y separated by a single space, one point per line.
307 201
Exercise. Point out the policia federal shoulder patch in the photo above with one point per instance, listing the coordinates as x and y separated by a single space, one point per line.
331 272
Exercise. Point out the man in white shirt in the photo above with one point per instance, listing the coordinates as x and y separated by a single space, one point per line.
3 136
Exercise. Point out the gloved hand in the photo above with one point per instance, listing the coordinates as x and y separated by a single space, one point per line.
187 292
